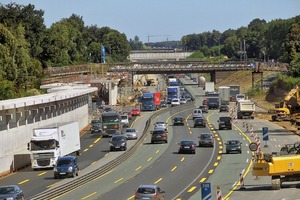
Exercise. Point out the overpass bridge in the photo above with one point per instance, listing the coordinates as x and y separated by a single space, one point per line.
169 67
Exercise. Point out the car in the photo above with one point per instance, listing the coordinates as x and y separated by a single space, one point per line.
233 145
163 104
159 136
178 120
183 101
136 112
206 139
224 108
118 142
187 97
187 146
197 113
124 120
130 133
11 192
149 192
107 109
225 123
204 108
161 124
175 102
96 126
199 121
66 166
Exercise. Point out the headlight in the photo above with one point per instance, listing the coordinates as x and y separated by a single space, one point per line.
70 169
104 126
123 144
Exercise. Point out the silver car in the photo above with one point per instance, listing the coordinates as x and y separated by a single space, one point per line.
152 192
161 124
130 133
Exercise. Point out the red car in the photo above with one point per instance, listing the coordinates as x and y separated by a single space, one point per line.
135 112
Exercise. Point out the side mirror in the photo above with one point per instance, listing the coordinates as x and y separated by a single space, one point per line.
218 121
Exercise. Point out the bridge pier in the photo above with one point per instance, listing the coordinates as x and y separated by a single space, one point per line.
260 74
213 76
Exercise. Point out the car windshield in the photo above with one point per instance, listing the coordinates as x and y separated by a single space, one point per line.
233 142
118 138
124 117
63 162
157 132
225 119
146 190
96 121
7 190
175 100
178 118
130 130
205 136
159 123
186 143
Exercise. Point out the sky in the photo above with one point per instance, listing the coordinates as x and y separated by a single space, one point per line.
165 20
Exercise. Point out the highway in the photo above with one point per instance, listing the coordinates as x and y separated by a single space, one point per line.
180 175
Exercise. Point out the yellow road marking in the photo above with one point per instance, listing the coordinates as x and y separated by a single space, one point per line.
119 180
106 154
41 174
52 185
131 197
89 195
91 145
85 150
97 140
182 159
22 182
218 138
94 162
173 169
157 151
202 180
158 180
149 159
138 168
221 147
219 158
211 171
220 152
216 164
192 189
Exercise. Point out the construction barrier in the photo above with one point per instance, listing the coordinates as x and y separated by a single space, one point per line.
251 131
244 123
219 193
242 181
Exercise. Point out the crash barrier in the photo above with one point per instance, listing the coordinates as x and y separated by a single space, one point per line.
51 193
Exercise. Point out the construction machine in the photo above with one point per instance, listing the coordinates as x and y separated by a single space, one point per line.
283 166
289 106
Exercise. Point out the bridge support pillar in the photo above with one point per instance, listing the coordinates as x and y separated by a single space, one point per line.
213 76
260 79
113 93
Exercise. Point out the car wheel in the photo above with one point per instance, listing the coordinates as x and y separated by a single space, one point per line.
240 152
194 152
77 172
56 177
111 149
73 174
227 152
166 141
199 144
152 142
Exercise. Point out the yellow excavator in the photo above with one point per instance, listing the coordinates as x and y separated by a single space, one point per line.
281 167
287 107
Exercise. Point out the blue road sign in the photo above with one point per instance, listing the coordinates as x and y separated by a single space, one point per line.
102 54
265 133
205 191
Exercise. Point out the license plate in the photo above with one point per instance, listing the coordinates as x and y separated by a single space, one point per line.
158 136
62 173
186 147
233 149
117 147
146 198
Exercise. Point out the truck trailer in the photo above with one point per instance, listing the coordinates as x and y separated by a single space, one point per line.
157 99
148 101
224 95
173 92
245 109
209 87
53 141
234 90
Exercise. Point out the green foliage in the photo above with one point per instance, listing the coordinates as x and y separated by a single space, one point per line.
7 90
285 82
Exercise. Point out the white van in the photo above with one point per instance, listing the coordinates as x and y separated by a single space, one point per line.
125 120
197 113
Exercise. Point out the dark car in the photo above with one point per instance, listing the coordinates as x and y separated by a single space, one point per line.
66 166
206 139
199 122
187 146
96 126
204 108
233 145
163 104
225 123
224 108
107 109
11 192
118 142
149 192
159 136
178 120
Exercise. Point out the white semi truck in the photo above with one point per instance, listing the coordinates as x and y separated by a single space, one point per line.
245 109
209 87
53 141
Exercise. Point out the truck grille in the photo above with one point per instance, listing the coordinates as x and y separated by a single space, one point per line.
43 162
